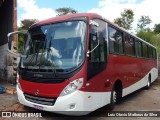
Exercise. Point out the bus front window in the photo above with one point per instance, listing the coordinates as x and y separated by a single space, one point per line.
59 46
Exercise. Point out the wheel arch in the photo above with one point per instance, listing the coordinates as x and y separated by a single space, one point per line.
118 84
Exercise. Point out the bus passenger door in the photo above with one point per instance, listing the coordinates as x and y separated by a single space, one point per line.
98 57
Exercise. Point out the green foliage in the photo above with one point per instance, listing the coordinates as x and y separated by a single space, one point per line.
65 11
150 37
126 19
20 43
157 28
156 42
119 21
156 39
146 35
25 24
143 23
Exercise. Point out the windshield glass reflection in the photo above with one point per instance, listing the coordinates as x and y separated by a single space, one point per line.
59 46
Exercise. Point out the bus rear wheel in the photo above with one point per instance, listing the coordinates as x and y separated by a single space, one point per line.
148 82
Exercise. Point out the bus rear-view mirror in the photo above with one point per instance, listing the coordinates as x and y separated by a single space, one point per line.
10 39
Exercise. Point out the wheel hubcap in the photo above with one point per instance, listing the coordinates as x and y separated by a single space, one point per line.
148 83
114 96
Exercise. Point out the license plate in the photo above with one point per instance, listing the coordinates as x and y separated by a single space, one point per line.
38 107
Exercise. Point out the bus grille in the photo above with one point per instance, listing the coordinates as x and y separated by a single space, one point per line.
43 80
40 100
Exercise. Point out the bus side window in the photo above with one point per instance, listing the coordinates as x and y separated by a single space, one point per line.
145 50
138 45
115 40
93 43
129 45
150 50
154 54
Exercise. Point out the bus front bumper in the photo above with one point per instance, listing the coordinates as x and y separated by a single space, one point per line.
76 103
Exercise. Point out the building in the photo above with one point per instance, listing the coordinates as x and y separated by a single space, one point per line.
8 23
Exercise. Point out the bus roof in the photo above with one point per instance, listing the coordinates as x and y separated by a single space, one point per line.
90 16
66 17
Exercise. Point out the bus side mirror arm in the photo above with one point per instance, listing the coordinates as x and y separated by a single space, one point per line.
9 42
12 33
88 52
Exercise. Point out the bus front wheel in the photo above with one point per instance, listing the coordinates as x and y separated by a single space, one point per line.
113 99
116 94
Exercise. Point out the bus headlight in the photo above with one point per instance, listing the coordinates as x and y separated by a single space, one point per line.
73 86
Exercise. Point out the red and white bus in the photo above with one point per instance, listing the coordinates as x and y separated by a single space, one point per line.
81 62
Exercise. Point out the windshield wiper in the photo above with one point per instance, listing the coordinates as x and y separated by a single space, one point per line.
52 61
48 50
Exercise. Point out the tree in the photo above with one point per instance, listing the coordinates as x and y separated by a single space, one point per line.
119 21
26 23
143 22
126 19
146 35
150 37
65 11
157 28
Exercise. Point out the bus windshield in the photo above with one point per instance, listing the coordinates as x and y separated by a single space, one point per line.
58 46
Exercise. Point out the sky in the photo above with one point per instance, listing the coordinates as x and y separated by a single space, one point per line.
110 9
